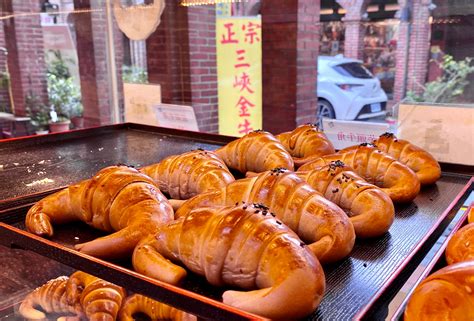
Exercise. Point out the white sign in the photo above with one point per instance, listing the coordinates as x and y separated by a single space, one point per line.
176 116
143 106
447 132
344 133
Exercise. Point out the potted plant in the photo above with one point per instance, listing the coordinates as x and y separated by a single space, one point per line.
76 115
60 125
64 96
38 113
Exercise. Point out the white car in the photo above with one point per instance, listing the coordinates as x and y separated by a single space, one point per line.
347 90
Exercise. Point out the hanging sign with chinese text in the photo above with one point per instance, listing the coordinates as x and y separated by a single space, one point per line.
239 72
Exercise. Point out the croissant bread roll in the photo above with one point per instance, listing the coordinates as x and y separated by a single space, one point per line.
369 209
317 221
99 299
117 199
183 176
425 166
461 245
376 167
306 143
51 298
447 294
155 310
258 151
242 246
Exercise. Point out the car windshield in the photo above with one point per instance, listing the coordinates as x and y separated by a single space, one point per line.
353 69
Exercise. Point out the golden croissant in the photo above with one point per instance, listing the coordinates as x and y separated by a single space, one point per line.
258 151
370 210
317 221
242 246
155 310
425 166
461 245
117 198
183 176
51 298
376 167
447 294
306 143
99 299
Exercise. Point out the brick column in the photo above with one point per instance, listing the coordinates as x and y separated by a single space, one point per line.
24 42
290 45
91 34
412 47
354 23
181 57
4 95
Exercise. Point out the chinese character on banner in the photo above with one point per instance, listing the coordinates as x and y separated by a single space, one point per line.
239 69
251 34
227 37
241 59
244 105
243 82
246 128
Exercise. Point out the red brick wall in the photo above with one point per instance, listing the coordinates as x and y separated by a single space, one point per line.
290 46
4 96
419 46
412 62
24 41
181 57
354 39
203 65
354 27
91 35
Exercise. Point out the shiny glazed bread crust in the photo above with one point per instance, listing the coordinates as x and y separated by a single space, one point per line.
242 246
317 221
306 143
370 210
99 299
376 167
447 294
186 175
425 166
155 310
461 245
117 198
257 152
51 298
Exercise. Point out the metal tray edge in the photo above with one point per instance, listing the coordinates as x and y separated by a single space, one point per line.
169 294
362 313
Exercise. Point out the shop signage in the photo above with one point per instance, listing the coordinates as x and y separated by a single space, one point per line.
447 132
57 37
239 71
344 133
143 106
138 21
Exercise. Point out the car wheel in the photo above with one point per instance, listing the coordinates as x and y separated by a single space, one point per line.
324 109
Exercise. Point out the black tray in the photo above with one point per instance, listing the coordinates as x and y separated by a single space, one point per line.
436 259
352 284
33 167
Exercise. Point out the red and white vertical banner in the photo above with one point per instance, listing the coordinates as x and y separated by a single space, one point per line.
239 72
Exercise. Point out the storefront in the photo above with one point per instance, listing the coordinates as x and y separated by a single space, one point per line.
198 184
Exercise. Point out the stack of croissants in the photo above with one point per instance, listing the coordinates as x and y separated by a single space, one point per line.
85 297
266 234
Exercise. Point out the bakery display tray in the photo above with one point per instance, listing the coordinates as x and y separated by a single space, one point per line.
437 258
33 167
375 267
